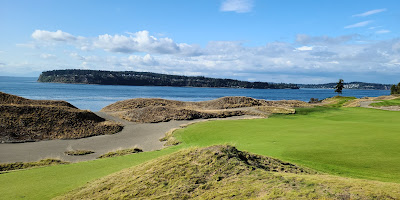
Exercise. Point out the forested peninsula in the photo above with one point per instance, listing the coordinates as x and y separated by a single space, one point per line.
150 79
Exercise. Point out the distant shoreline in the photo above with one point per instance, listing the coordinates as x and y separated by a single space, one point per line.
133 78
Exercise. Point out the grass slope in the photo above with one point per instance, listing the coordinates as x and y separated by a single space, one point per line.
51 181
352 142
337 101
224 172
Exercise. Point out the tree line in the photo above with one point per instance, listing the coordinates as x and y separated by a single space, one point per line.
151 79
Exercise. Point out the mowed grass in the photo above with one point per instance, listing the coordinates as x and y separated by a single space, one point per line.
393 102
351 142
52 181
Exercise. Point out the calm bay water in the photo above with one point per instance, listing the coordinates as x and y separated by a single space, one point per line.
95 97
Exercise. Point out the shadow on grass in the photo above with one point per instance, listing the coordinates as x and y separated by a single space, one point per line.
309 111
317 109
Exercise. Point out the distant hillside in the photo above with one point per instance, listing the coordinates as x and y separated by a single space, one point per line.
24 120
351 85
150 79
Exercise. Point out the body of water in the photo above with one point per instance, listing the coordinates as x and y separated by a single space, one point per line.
95 97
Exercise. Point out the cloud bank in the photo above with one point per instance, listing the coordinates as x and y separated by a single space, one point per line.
140 41
310 59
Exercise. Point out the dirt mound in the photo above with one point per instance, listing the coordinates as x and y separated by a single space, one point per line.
276 110
163 114
13 99
223 172
161 110
240 102
229 102
182 175
20 121
142 103
288 103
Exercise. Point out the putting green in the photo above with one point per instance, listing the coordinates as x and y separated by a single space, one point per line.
351 142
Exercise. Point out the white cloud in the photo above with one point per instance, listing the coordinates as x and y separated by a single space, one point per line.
143 60
76 56
140 41
28 45
396 47
52 36
324 40
308 56
359 24
239 6
47 55
383 31
371 12
374 27
305 48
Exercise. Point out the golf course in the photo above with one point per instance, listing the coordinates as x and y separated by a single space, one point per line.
354 144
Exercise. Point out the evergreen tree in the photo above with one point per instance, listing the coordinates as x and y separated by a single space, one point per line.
339 86
398 89
393 89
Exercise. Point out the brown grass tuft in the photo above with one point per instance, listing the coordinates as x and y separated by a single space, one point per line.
121 152
78 152
24 165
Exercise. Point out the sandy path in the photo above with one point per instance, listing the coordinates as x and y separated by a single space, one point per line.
365 104
144 136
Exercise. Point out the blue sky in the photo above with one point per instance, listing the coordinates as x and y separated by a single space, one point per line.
297 41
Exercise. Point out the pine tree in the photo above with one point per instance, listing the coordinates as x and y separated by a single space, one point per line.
339 86
393 90
397 89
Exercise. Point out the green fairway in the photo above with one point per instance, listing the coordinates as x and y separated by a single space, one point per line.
49 182
352 142
393 102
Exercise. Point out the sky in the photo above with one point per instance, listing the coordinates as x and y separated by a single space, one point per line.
290 41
